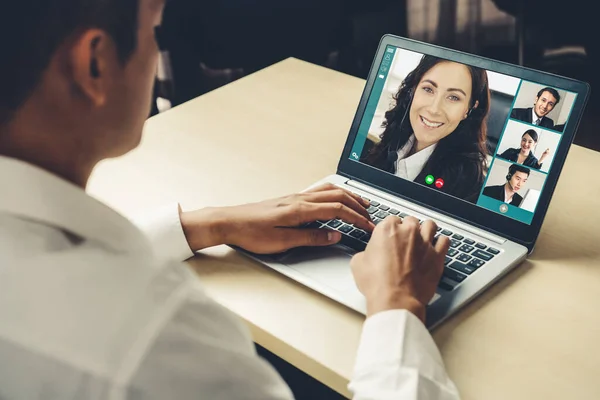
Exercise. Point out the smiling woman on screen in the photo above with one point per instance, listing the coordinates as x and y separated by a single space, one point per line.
524 154
438 127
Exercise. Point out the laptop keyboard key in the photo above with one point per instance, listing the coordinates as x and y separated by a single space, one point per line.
466 248
366 237
334 223
476 263
458 237
403 215
485 256
375 203
464 268
393 211
376 221
452 252
357 234
353 243
469 242
464 258
372 210
313 225
447 261
493 251
384 207
480 246
447 232
454 243
345 228
446 284
382 214
454 275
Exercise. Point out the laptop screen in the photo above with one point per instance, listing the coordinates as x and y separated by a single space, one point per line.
477 135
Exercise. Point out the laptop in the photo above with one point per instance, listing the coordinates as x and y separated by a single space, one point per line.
474 144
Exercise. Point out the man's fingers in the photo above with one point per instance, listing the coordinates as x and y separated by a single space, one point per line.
390 221
356 263
293 237
442 245
326 211
410 222
330 186
339 196
320 188
428 231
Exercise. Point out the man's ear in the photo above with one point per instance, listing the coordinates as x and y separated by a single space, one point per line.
90 58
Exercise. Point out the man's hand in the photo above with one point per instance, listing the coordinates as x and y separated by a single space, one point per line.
276 225
400 268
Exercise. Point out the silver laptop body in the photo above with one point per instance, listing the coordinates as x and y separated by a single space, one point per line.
327 270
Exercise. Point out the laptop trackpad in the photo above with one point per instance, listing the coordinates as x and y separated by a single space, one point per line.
327 265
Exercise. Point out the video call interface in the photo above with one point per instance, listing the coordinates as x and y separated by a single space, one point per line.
477 135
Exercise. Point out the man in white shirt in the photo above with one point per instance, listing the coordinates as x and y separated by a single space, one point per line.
93 308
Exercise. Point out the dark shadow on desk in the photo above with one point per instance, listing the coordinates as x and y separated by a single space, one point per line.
303 386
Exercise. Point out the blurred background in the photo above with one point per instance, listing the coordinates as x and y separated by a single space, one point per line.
213 43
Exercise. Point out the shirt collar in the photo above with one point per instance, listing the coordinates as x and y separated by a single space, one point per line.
534 117
410 167
33 193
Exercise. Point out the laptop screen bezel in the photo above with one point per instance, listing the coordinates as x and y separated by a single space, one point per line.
487 220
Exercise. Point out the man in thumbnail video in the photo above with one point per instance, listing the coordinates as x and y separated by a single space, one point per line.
546 100
515 179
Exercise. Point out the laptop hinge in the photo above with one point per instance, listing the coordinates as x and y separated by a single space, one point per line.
426 212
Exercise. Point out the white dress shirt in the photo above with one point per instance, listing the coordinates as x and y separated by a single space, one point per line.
91 308
534 117
410 167
508 196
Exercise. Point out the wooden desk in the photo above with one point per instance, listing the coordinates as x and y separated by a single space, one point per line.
534 335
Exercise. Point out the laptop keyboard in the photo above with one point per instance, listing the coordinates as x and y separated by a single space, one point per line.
464 257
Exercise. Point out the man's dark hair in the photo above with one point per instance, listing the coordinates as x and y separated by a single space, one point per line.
32 30
513 169
552 91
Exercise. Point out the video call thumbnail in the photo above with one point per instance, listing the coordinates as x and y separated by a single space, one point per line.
442 124
543 106
528 145
516 186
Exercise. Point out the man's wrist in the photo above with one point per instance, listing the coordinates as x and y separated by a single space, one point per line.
396 301
205 228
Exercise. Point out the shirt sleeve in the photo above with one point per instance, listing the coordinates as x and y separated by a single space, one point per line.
163 228
398 359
